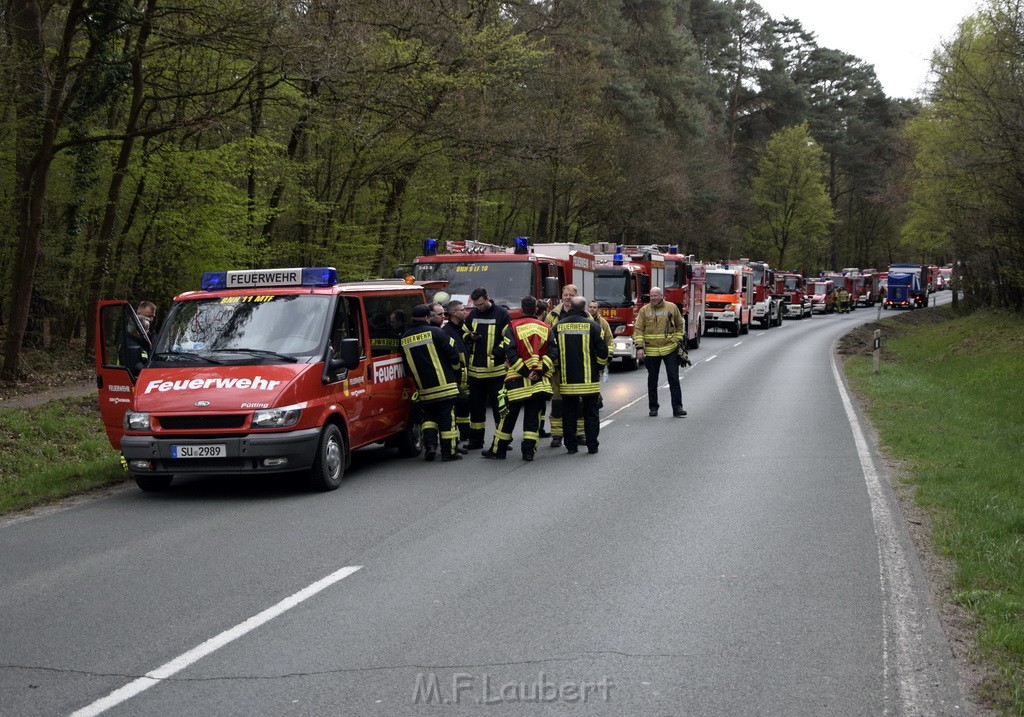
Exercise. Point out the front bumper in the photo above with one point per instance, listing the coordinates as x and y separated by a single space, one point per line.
245 454
623 348
720 318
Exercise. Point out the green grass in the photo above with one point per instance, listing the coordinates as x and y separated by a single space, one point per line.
950 402
53 451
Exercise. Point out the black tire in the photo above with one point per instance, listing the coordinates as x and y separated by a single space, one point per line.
152 483
744 328
408 443
736 329
694 343
329 465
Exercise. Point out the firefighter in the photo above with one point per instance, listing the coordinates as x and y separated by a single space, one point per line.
456 312
594 309
658 333
569 291
582 356
483 331
530 356
842 300
433 361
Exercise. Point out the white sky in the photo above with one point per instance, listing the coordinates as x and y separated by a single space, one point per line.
896 36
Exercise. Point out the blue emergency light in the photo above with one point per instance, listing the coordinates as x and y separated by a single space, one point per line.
617 259
247 279
522 245
673 248
430 246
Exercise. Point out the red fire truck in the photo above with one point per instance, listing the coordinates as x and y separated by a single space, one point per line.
685 287
508 273
823 295
622 287
850 282
797 303
730 298
260 371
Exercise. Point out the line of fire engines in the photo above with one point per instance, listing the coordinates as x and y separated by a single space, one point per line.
728 295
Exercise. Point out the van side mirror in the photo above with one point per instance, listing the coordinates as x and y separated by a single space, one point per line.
348 358
551 290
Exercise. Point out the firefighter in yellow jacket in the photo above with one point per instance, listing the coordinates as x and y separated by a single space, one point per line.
658 333
483 333
568 292
530 357
582 356
434 363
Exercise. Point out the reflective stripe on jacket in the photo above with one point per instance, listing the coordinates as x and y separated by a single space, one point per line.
658 331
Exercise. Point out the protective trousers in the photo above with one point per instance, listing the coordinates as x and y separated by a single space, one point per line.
653 364
532 408
439 427
591 419
483 393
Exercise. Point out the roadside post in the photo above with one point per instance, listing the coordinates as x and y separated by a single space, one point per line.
877 349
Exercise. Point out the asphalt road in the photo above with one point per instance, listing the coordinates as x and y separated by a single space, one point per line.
747 559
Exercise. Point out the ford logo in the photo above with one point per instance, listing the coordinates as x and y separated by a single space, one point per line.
202 404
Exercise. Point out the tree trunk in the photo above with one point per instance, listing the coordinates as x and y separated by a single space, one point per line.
106 232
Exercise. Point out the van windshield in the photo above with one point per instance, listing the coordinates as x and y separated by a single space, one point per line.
277 328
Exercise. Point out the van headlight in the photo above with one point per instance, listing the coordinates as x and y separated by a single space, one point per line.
276 417
135 421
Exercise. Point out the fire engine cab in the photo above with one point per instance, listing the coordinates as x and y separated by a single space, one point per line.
730 298
622 287
508 273
260 371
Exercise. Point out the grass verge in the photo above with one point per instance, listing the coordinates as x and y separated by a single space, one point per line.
53 451
947 403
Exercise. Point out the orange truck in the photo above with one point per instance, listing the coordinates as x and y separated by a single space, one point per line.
729 298
259 371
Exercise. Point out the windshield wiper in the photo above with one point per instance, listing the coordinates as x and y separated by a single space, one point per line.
183 355
259 352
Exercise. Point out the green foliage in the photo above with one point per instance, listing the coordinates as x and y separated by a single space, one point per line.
54 451
968 173
792 206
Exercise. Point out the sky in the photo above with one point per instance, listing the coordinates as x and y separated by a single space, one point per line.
896 36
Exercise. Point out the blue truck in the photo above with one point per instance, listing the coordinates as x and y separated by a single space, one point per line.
903 291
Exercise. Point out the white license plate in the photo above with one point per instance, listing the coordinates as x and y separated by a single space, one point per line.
213 450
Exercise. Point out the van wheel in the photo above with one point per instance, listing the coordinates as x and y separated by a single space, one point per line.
409 442
152 483
329 464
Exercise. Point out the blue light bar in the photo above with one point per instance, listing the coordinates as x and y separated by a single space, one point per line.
522 245
319 276
214 280
617 259
673 248
259 278
430 246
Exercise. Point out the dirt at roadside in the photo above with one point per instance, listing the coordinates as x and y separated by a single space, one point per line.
859 341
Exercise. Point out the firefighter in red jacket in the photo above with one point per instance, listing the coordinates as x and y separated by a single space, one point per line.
530 356
433 361
582 356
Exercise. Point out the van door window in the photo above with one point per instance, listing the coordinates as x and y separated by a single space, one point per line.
346 325
388 320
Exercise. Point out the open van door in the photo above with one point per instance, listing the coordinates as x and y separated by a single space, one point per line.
119 334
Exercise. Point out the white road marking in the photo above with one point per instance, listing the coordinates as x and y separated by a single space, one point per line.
902 610
712 357
605 422
737 344
184 660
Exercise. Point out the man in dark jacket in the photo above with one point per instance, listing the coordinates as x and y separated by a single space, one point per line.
582 355
456 312
483 332
433 362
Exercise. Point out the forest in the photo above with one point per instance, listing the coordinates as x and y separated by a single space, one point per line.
146 141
